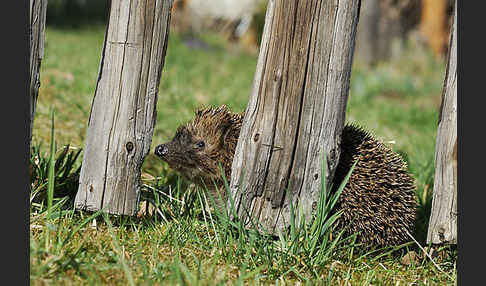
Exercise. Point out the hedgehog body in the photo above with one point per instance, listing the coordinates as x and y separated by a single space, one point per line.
379 199
378 202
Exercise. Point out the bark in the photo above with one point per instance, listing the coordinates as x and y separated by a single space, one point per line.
38 10
296 111
443 218
123 111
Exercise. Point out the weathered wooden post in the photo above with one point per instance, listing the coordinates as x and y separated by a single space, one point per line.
123 111
38 9
443 217
296 110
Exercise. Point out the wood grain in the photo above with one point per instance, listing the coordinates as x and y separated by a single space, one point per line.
443 217
38 10
296 110
123 111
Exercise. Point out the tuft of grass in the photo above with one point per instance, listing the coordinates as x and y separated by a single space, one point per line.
53 177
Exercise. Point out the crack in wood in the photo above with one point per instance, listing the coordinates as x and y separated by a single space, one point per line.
273 147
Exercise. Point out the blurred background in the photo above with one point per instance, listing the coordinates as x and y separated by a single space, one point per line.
385 25
396 83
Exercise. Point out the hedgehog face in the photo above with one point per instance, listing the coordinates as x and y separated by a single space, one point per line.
198 147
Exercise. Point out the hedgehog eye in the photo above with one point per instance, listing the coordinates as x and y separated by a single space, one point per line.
200 144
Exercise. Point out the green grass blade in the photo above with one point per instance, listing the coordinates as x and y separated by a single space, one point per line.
57 207
320 215
52 160
342 185
293 233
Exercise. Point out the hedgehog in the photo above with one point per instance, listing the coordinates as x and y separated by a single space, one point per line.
204 146
378 202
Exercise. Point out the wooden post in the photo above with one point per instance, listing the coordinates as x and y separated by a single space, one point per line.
123 111
296 110
443 217
38 9
368 33
384 26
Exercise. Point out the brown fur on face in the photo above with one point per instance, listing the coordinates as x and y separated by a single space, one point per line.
203 146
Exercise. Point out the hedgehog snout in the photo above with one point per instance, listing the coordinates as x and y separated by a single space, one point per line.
161 150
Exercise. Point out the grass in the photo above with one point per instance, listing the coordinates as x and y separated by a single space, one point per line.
184 244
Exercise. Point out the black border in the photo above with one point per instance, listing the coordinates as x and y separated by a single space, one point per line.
15 118
470 91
